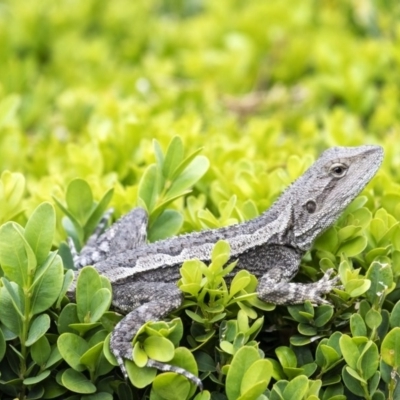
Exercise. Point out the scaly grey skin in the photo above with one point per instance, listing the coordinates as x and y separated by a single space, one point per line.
144 276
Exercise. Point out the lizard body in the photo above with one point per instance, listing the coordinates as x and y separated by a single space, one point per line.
144 276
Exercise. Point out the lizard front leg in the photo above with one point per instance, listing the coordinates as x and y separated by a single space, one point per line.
274 290
143 302
275 286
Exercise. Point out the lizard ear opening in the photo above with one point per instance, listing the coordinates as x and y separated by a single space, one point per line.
311 206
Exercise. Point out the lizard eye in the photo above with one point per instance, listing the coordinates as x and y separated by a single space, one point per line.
338 170
311 206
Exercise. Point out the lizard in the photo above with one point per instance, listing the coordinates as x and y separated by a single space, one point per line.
144 275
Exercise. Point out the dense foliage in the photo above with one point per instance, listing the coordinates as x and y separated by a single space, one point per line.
203 112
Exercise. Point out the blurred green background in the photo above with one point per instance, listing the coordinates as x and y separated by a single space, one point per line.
85 87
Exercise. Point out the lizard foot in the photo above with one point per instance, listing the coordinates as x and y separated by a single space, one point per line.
322 287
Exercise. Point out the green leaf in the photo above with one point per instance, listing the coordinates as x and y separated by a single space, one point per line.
159 348
353 383
181 167
140 377
348 232
139 355
286 356
149 187
173 157
79 200
260 372
100 303
39 231
67 316
297 388
36 379
171 386
307 330
204 395
3 345
227 347
204 361
38 328
68 278
330 355
349 350
298 315
189 176
91 357
254 392
11 310
241 362
395 316
47 283
77 382
88 283
190 272
167 224
323 314
158 153
72 347
390 348
40 351
381 277
69 217
53 358
357 325
357 287
353 247
238 283
98 213
369 360
373 319
14 257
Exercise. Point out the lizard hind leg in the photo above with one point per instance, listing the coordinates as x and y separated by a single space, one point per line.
149 301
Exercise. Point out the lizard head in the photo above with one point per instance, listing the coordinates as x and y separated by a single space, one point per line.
321 194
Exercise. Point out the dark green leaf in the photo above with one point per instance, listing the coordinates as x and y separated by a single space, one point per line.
166 225
38 328
98 213
173 157
39 231
40 351
72 347
77 382
47 284
149 187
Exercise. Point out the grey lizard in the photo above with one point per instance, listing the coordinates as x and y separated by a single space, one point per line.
144 276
